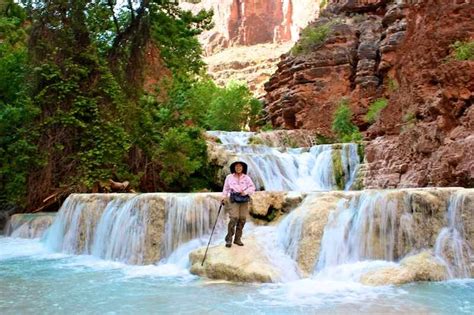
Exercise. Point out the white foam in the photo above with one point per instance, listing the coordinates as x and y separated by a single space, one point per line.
19 247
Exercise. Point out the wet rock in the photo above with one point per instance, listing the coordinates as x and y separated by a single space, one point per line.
262 202
421 267
240 264
29 225
315 220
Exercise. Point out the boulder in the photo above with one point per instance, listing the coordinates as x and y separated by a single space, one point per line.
241 264
420 267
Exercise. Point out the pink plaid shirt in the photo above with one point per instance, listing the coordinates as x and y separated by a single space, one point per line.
235 183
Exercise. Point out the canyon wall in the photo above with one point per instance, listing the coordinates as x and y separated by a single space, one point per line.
249 36
404 54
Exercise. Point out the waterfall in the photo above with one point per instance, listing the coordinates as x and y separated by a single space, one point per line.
451 246
290 169
290 230
120 233
189 217
28 225
364 228
350 163
109 228
135 229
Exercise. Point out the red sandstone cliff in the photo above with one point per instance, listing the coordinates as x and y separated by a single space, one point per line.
402 52
251 22
250 35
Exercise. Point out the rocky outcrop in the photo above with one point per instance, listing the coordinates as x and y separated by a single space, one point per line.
250 64
376 49
425 136
240 264
29 225
421 267
346 64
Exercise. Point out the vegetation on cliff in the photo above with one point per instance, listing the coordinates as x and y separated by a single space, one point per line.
93 90
342 126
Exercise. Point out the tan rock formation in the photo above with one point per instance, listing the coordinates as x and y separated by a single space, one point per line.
421 267
315 220
418 214
250 64
241 264
285 138
262 202
29 225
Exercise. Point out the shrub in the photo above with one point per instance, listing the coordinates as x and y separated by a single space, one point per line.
322 139
374 110
392 85
463 50
342 126
311 36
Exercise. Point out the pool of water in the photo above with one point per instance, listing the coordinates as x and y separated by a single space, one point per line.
35 280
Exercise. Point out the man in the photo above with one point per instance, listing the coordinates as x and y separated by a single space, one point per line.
237 186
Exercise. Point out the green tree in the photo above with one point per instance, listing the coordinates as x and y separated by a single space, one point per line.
232 109
17 112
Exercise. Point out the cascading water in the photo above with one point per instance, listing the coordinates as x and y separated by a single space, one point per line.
451 246
363 228
350 163
290 229
290 169
110 229
29 225
129 228
189 217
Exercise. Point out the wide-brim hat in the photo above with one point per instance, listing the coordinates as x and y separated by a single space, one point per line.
244 167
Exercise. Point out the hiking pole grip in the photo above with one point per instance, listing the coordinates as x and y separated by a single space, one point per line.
210 237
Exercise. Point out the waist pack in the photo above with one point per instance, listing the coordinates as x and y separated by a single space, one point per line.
238 198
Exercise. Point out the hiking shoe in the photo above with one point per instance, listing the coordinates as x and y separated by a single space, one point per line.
228 244
238 243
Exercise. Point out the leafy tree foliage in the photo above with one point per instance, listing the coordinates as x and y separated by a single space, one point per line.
76 107
17 111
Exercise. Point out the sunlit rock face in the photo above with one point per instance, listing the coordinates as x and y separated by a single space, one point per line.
251 22
29 225
420 267
241 264
249 36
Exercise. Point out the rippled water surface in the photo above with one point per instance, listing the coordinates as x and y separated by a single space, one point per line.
33 280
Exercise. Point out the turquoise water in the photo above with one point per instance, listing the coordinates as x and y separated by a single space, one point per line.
34 280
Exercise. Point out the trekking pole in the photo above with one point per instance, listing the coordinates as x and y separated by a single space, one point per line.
205 254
